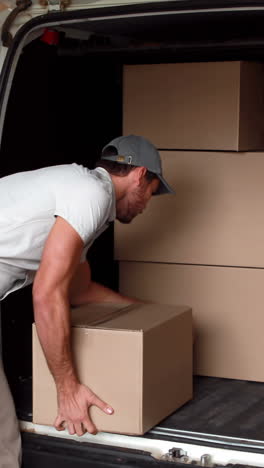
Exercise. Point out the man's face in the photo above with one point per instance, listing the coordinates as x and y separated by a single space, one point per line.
136 199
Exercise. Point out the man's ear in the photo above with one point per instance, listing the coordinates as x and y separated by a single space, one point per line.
140 173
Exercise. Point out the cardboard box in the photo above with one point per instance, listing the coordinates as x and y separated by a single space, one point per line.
137 358
227 306
206 106
214 218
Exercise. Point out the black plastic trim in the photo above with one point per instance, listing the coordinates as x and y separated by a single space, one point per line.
185 440
49 452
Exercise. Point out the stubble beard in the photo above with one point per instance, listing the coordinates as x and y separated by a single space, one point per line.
132 210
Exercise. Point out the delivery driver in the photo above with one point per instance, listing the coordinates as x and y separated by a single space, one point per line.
48 220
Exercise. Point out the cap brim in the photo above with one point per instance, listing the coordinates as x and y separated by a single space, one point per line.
163 187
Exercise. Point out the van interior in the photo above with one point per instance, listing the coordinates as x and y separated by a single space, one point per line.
65 104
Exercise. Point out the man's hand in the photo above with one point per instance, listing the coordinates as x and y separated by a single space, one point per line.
73 412
84 291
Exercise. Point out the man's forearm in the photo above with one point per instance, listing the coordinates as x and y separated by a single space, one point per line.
52 318
74 399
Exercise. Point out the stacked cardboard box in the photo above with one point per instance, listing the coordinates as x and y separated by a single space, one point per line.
202 246
227 304
199 106
215 217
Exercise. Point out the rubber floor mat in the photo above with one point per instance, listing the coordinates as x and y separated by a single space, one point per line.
224 407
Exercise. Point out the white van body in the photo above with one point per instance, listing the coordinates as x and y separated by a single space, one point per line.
195 447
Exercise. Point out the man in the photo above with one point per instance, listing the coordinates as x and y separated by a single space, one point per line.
48 220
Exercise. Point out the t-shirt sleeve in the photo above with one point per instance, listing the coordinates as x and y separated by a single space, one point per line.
85 207
84 253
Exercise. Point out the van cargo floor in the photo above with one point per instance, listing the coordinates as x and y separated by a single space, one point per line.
233 408
224 407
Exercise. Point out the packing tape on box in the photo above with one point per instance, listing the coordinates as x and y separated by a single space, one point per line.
107 316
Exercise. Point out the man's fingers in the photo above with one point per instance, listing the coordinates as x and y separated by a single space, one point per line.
102 405
71 428
59 424
89 426
79 428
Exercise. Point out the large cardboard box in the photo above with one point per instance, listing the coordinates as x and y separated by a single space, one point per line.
227 306
137 358
214 218
207 106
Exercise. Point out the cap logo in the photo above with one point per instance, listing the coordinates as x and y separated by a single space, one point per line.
120 158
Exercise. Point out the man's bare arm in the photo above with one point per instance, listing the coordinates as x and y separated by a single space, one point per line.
59 262
85 291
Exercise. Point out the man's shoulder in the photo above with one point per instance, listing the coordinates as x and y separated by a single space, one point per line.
80 172
77 182
69 176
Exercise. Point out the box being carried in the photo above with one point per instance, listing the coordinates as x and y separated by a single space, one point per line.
136 357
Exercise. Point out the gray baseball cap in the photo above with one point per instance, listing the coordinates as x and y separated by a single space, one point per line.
138 151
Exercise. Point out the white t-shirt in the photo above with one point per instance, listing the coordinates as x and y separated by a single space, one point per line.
29 203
